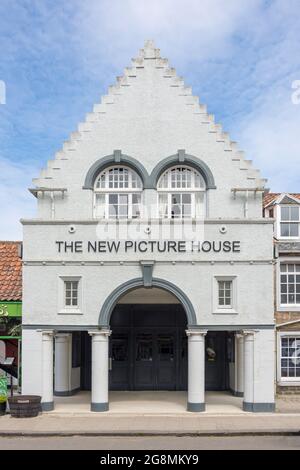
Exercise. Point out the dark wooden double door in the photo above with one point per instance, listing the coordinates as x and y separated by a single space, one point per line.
148 359
151 355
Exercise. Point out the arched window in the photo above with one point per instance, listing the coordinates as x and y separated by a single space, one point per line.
181 193
117 194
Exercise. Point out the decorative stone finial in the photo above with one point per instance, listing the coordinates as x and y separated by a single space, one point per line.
149 51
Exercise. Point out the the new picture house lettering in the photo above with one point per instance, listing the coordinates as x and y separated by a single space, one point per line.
148 246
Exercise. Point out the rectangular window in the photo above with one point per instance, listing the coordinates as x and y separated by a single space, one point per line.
290 357
181 205
225 294
289 221
118 206
289 284
71 293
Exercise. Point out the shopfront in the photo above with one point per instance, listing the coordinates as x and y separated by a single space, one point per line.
153 262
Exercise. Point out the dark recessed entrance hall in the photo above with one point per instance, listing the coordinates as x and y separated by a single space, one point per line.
148 350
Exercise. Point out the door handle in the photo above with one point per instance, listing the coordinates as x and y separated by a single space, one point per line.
110 363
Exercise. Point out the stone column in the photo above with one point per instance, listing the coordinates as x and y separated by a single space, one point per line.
47 370
62 364
248 370
196 370
239 364
99 401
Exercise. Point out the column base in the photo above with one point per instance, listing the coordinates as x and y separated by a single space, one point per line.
259 407
99 407
47 406
67 393
235 393
195 407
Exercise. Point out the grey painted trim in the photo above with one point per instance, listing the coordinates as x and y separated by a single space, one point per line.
259 407
59 327
47 406
235 327
116 158
67 393
116 294
182 158
99 407
260 221
131 262
147 270
191 325
195 407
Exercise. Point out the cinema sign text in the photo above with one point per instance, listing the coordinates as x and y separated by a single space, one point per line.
148 246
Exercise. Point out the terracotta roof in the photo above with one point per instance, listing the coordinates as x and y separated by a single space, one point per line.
10 271
270 197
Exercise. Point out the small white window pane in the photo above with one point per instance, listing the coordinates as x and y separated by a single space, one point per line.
284 230
295 213
100 206
285 213
294 230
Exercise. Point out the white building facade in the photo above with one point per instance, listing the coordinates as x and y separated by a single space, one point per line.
149 265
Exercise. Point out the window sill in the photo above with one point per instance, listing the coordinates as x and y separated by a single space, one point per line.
289 308
225 311
288 383
66 311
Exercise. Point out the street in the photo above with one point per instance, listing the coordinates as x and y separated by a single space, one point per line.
151 443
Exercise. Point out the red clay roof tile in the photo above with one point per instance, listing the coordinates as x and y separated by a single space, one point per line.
270 197
10 271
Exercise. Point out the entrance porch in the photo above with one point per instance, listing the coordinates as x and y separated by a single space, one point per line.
149 402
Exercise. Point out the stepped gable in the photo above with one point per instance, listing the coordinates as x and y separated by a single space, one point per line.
149 56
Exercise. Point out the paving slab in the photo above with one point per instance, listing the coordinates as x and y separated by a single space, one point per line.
147 424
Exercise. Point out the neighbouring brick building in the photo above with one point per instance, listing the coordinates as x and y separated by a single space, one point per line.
285 209
10 302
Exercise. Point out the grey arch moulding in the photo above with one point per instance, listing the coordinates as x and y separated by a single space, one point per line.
113 298
116 158
149 181
182 158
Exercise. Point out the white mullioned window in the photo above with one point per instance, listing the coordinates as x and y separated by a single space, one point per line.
225 294
289 221
290 357
290 284
117 193
71 293
181 193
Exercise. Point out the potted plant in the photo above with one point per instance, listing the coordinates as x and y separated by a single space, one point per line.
3 395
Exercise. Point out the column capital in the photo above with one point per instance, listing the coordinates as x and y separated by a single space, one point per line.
245 333
100 333
195 332
47 334
62 335
239 335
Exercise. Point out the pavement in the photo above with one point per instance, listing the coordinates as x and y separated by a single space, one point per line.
161 413
146 443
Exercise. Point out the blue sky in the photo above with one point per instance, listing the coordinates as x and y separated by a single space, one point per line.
59 56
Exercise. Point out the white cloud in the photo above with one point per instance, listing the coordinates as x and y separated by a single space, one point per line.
15 200
244 55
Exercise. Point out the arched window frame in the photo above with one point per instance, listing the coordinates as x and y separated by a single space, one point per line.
183 190
117 195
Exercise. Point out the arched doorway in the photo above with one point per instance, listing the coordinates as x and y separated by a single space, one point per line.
148 343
